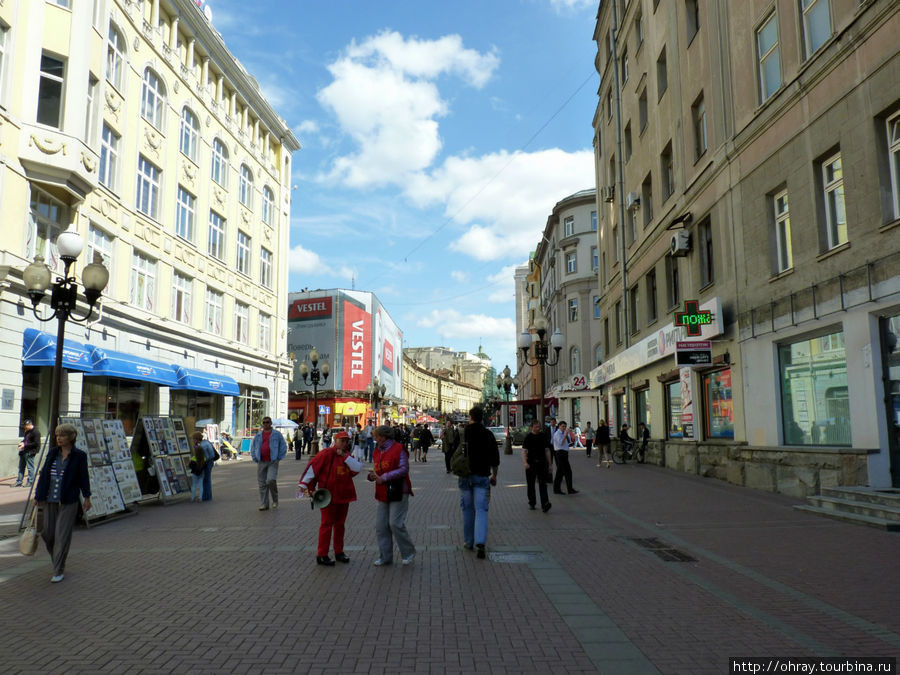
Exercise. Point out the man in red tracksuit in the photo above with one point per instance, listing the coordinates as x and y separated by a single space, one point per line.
333 468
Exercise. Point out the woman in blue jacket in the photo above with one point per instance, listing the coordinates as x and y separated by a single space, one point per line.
63 476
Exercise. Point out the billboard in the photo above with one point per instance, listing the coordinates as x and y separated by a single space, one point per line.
388 354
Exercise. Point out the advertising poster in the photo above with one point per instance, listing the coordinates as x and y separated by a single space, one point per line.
687 403
311 323
388 353
357 347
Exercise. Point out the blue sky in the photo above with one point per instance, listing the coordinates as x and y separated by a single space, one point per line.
437 138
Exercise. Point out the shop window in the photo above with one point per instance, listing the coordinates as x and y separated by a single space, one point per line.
718 404
675 426
815 407
125 400
641 408
196 405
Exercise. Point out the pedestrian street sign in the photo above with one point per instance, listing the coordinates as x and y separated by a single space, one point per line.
324 409
693 353
693 318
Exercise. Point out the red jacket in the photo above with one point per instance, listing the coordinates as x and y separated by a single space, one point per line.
387 459
332 473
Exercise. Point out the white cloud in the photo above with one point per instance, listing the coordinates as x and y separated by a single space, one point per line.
307 127
505 280
384 97
459 276
566 5
304 261
452 324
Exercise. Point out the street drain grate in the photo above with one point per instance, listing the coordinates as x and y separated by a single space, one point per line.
662 550
513 557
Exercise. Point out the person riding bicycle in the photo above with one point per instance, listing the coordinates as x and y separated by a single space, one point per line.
626 440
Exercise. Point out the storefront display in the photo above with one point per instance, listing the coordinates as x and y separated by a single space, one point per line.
719 404
161 453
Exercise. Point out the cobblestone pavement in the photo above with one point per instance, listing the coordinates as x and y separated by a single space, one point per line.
644 570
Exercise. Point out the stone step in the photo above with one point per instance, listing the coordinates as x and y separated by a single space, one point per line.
853 506
854 518
887 496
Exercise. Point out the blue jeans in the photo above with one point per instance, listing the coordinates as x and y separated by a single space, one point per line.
370 447
474 499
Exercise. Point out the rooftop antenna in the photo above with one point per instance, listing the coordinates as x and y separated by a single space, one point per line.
353 282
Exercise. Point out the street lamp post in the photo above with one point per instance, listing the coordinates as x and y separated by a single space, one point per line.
312 374
541 350
504 383
376 394
63 300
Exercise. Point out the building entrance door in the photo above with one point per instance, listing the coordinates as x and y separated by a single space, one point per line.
890 348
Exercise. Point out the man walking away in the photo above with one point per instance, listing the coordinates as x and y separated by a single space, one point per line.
449 442
426 438
267 449
561 443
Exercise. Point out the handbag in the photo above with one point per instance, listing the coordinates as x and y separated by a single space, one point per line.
28 540
459 462
394 490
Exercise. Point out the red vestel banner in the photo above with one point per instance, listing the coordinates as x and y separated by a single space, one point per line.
357 343
388 357
310 308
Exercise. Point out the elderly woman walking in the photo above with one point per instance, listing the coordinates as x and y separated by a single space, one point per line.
392 492
63 476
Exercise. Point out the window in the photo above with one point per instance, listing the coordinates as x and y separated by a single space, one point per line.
642 408
4 33
190 134
662 75
784 257
627 142
642 110
243 253
220 163
647 199
245 192
619 322
268 206
109 158
816 24
90 110
594 213
153 99
835 214
639 29
48 217
692 18
147 193
241 323
574 361
569 226
264 338
718 409
893 140
633 308
185 214
595 260
214 302
674 293
707 269
815 408
673 410
606 335
603 269
624 65
596 304
698 117
143 282
571 266
573 309
115 57
631 225
609 108
769 57
265 267
50 92
100 243
62 3
667 169
216 240
615 232
181 298
652 311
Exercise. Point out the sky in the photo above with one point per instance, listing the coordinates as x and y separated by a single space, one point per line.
436 139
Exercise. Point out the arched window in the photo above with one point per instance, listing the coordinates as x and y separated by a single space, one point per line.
190 133
220 163
245 193
153 99
268 206
574 361
115 57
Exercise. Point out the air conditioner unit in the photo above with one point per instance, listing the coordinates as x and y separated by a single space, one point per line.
608 193
681 243
632 201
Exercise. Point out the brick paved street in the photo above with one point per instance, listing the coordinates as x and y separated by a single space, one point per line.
222 588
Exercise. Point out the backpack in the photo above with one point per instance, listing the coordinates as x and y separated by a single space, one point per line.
459 462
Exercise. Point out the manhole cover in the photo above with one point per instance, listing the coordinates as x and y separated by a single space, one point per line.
513 557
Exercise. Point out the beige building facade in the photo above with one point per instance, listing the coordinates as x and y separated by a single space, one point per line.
435 390
133 124
747 157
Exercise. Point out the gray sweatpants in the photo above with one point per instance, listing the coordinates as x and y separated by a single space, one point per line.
267 476
390 519
59 519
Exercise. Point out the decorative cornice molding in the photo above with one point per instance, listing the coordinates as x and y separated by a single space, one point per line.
46 146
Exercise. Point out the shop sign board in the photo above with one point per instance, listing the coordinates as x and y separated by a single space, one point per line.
694 353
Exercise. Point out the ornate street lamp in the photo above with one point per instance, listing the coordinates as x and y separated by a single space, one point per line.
376 393
313 375
505 383
541 350
63 300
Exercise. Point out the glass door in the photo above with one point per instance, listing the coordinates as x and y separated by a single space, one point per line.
890 336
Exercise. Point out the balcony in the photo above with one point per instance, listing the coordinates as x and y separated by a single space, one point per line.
53 158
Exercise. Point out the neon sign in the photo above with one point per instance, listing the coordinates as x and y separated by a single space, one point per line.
693 318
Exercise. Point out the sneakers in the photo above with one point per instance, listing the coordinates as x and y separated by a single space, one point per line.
274 505
324 560
56 578
263 508
408 559
342 557
468 547
546 507
480 553
381 562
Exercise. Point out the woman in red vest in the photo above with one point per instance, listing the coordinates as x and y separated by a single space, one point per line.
392 492
333 469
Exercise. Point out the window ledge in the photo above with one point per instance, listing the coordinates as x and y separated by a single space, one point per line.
708 285
781 275
833 251
889 226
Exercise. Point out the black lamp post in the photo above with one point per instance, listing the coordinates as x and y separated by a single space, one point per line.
313 375
541 350
63 300
505 383
376 394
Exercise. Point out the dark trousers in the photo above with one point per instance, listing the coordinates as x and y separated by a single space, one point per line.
539 474
447 455
562 469
588 444
59 520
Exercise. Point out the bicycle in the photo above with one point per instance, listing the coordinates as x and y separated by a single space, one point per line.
627 450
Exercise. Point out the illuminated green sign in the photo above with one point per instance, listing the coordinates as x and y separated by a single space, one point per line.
693 318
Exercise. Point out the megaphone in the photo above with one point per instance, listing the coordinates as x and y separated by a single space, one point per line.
320 498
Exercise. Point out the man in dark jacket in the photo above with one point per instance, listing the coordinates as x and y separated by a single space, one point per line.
449 441
475 489
28 448
426 438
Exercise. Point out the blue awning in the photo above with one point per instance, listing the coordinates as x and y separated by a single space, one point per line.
39 349
130 367
198 380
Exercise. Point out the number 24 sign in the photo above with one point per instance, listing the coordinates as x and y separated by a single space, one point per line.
579 382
